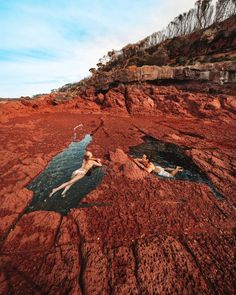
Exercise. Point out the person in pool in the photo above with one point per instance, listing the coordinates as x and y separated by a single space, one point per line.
141 162
146 164
88 163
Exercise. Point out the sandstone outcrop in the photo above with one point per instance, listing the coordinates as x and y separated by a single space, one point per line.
218 73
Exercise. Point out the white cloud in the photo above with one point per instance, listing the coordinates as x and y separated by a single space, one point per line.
46 29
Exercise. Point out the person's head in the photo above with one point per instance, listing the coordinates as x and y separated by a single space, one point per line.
144 157
88 155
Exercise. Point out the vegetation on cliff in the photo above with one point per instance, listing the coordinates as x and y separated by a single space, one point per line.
146 51
204 35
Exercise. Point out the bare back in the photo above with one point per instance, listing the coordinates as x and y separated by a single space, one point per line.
88 164
150 167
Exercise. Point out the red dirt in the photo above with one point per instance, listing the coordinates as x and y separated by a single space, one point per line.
159 236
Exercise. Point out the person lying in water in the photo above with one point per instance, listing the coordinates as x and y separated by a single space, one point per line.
146 164
88 163
143 161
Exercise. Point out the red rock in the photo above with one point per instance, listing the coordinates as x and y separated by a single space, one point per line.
95 278
151 235
12 205
114 99
100 98
140 234
214 105
230 103
129 168
35 230
3 283
119 157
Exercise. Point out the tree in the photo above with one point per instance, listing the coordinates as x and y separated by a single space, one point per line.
201 16
92 70
225 9
204 13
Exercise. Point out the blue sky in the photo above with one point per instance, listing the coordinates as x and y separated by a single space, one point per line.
45 44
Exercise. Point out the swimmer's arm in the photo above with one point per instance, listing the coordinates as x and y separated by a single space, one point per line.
96 160
169 169
139 164
149 170
97 163
173 169
139 160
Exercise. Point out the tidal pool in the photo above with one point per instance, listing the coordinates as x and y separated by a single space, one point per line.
58 171
170 155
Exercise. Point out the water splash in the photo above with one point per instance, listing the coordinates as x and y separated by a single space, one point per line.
75 133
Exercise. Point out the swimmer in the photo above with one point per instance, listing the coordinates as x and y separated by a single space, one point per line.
88 163
146 164
164 172
142 161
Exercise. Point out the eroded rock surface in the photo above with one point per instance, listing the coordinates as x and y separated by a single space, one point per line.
152 235
218 73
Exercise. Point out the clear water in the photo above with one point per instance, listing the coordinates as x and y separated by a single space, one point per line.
170 155
58 171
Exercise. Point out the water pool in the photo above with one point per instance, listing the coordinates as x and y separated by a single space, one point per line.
58 171
170 155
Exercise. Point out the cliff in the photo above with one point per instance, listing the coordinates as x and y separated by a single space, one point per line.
205 55
215 73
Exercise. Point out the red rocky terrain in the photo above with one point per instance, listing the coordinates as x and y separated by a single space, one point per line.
152 235
155 236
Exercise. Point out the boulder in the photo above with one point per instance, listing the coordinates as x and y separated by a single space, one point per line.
128 167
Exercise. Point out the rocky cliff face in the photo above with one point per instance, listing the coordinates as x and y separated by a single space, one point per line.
139 234
215 73
205 55
214 44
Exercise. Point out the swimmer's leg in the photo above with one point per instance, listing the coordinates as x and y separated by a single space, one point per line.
71 182
63 194
176 170
59 188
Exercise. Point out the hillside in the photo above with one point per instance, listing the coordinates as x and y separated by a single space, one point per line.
216 43
207 49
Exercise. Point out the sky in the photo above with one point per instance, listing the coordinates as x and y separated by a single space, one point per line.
45 44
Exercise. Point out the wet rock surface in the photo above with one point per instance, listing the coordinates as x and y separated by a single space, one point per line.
150 235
